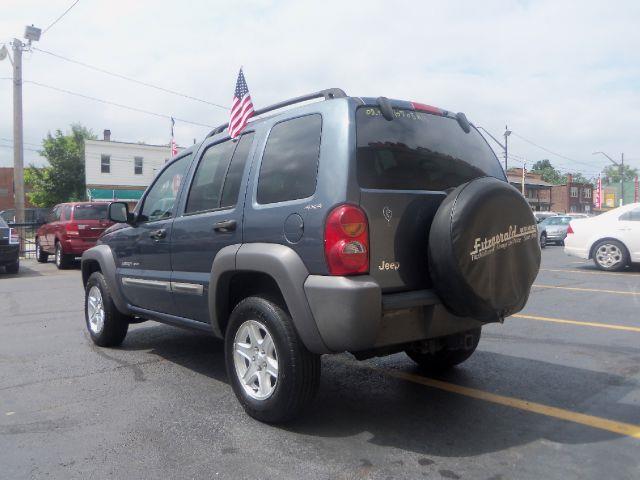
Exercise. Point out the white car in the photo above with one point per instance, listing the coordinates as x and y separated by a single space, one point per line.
611 239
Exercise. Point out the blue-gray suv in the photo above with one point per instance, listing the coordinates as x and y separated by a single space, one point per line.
341 224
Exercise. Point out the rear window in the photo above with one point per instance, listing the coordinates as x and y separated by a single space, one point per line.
559 221
419 151
90 212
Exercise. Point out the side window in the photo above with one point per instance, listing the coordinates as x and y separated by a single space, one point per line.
54 216
160 200
231 187
206 188
632 216
66 212
290 161
105 163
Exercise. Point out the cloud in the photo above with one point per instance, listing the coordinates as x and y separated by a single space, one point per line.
564 74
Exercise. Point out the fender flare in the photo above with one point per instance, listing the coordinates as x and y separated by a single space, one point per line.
103 255
283 265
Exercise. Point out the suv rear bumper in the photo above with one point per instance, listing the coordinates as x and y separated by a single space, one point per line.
8 254
352 314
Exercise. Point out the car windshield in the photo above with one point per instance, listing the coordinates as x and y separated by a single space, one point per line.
90 212
419 151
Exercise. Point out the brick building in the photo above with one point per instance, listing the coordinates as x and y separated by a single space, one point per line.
536 191
572 197
6 188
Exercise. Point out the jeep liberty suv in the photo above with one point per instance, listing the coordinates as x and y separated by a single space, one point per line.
362 225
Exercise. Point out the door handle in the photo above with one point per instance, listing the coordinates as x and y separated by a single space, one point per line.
158 234
225 226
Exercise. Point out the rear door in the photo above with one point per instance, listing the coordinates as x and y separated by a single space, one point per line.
91 219
212 219
143 255
50 227
405 167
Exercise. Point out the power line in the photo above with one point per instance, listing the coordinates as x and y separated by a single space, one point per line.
124 77
24 148
551 151
60 17
26 143
120 105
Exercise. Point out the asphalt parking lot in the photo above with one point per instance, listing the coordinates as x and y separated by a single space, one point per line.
552 393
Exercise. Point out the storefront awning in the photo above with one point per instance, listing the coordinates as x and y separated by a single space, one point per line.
98 194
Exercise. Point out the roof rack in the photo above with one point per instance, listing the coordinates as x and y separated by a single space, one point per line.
328 94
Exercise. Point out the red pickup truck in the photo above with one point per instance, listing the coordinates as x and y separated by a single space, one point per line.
71 229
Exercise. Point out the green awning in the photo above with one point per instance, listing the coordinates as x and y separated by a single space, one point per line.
108 194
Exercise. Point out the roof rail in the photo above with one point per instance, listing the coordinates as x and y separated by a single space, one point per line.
328 94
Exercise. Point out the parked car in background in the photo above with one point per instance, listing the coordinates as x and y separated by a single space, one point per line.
71 229
612 239
540 216
554 229
9 248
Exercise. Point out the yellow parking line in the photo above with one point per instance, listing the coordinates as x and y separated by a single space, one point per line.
628 274
576 322
578 289
620 428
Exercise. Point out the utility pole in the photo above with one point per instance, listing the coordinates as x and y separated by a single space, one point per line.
18 151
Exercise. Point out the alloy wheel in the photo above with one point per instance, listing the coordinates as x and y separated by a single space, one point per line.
95 310
255 360
608 255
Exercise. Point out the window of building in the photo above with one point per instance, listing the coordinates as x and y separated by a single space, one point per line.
105 163
573 209
587 208
290 161
206 188
137 165
574 192
161 198
587 193
4 192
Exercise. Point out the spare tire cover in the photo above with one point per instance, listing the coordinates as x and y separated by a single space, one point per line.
483 250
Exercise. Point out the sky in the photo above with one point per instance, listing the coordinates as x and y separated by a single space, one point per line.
562 75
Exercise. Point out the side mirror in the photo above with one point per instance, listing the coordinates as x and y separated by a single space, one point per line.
119 213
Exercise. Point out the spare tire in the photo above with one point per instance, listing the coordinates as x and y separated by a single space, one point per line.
483 250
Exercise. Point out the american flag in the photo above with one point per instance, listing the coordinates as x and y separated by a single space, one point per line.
174 147
241 108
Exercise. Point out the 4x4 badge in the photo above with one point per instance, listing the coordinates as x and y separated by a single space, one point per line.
386 211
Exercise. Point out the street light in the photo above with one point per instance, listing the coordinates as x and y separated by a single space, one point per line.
504 147
620 169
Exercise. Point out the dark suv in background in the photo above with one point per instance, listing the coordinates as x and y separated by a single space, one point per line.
366 225
9 248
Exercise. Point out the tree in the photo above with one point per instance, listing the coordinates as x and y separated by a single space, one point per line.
548 172
612 173
63 179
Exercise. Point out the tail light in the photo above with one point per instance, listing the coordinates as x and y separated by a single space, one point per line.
569 230
72 229
346 241
14 238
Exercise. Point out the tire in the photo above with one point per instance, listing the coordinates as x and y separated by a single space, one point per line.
62 259
610 256
110 330
543 240
41 257
265 397
13 267
453 352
